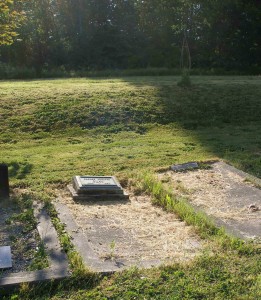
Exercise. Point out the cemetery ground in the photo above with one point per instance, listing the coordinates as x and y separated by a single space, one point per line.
135 128
18 229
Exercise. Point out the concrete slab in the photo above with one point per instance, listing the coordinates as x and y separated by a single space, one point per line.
241 195
224 193
90 258
115 235
5 257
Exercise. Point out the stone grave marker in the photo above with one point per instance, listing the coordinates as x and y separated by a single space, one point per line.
5 257
96 188
183 167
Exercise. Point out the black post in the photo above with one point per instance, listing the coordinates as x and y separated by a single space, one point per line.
4 181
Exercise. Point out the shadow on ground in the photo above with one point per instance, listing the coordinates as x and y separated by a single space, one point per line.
222 113
19 170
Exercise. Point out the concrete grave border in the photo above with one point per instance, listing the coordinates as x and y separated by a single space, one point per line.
58 263
83 247
233 229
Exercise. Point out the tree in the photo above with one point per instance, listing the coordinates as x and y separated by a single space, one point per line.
10 19
109 34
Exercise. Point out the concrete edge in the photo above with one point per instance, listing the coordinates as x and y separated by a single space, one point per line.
57 258
12 282
241 173
229 229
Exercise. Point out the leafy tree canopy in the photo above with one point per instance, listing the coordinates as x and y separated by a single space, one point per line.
10 19
112 34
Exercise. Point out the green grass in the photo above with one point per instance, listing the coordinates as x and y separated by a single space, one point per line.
51 130
123 104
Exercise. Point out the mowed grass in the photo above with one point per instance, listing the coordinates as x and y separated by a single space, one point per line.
51 130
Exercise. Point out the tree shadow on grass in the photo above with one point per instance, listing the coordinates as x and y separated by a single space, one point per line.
19 170
222 113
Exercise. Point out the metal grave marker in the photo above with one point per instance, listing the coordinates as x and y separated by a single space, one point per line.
5 257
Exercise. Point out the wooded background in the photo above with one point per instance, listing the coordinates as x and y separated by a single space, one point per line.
129 34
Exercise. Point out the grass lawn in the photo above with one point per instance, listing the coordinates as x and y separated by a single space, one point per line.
51 130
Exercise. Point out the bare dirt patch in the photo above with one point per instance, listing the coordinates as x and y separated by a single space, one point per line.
134 230
16 233
222 192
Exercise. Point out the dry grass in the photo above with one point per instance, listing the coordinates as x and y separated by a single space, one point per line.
139 230
209 190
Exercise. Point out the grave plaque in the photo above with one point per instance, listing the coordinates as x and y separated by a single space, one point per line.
82 184
186 166
96 187
5 257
